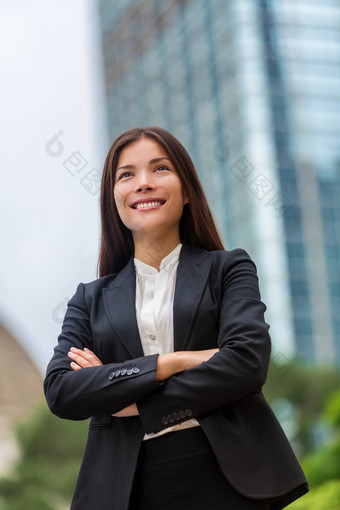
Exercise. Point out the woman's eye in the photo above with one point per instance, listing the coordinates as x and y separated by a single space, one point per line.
122 174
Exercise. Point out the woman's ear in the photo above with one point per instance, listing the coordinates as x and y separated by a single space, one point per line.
186 197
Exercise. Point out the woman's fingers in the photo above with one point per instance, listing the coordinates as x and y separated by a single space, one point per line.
83 358
210 353
74 366
205 354
128 411
192 359
90 356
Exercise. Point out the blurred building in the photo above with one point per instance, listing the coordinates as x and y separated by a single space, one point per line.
21 386
252 90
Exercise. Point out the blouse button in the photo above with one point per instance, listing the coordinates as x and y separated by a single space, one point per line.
152 337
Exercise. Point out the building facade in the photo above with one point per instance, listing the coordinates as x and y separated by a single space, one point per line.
252 90
21 391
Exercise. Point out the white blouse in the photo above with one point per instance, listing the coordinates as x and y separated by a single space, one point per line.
154 311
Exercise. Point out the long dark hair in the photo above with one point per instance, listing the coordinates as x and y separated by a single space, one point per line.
196 224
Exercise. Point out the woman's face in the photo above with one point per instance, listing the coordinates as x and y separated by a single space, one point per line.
150 180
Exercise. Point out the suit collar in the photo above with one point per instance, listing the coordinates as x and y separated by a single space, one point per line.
119 299
167 263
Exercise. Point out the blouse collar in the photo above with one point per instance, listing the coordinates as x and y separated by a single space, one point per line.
169 260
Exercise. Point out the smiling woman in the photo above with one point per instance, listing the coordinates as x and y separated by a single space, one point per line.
168 350
149 199
144 164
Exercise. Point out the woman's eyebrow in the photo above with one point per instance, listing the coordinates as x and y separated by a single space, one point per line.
151 161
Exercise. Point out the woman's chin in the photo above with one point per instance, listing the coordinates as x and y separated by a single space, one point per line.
152 228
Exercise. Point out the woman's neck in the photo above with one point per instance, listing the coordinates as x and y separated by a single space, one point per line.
153 251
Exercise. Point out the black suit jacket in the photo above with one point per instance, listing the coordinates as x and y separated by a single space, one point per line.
217 303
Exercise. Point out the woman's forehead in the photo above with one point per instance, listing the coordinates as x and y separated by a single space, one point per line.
141 151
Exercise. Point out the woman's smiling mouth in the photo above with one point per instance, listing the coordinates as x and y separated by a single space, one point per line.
147 204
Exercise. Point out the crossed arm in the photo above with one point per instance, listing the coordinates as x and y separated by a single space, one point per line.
167 365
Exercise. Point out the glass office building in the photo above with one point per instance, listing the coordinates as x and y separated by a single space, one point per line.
252 90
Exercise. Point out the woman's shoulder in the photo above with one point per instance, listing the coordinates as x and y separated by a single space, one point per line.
93 288
228 259
223 257
235 254
102 281
223 260
230 254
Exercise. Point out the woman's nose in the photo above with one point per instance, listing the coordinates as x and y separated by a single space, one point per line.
146 182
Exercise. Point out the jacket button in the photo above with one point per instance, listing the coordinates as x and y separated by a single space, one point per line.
117 373
171 418
188 412
123 371
111 376
176 416
165 420
135 370
129 371
182 414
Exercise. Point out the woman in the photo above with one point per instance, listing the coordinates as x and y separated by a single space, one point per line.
168 350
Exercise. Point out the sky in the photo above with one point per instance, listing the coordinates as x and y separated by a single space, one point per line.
54 142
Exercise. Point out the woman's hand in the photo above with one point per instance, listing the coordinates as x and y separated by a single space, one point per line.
167 365
191 359
175 362
128 411
86 358
83 358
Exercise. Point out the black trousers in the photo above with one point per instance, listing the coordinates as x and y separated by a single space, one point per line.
179 471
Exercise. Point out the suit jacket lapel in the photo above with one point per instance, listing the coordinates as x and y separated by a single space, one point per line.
192 274
119 302
119 299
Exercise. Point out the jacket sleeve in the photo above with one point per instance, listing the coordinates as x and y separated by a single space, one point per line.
80 394
238 369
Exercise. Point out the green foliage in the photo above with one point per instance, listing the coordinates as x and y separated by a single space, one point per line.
314 405
324 464
325 497
332 409
307 388
322 468
51 451
13 497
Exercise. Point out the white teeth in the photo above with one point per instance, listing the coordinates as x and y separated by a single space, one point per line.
147 204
